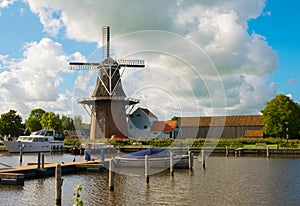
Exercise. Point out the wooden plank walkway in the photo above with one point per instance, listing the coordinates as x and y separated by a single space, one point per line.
18 169
32 171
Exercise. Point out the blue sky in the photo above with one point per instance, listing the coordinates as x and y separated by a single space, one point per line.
282 33
253 46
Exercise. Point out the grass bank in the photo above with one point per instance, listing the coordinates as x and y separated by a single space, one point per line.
192 143
200 142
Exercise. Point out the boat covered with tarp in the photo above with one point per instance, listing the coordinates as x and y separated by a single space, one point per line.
157 158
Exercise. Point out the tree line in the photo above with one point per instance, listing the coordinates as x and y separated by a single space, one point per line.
11 123
281 117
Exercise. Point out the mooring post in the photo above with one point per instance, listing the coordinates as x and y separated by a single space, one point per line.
203 159
39 160
268 151
227 153
146 169
191 160
102 151
58 184
43 161
21 153
171 165
111 175
84 154
81 150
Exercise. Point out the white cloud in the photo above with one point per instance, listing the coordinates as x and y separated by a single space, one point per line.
34 80
6 3
219 28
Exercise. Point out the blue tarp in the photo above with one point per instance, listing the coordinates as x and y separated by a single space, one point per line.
151 152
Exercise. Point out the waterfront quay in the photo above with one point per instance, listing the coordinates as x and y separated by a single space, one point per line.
231 151
17 175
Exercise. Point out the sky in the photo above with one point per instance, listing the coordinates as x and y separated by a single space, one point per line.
202 57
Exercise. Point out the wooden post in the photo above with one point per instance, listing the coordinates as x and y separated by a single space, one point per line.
58 184
227 153
80 150
191 160
21 153
43 161
102 151
111 175
39 160
146 169
203 159
84 154
268 151
171 165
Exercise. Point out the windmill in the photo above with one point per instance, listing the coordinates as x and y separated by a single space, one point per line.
107 104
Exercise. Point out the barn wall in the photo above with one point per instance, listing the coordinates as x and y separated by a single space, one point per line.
223 132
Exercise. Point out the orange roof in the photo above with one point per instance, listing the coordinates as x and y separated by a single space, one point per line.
217 121
150 114
161 126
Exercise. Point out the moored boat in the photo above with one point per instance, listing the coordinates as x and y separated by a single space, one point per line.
38 141
91 148
158 158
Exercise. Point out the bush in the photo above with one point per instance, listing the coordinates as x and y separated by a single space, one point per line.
70 141
121 142
199 142
163 142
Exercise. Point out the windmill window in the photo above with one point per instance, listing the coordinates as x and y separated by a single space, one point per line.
138 115
145 126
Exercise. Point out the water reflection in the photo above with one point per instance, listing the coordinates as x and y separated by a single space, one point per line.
225 181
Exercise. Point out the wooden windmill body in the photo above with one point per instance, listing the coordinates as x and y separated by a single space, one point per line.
107 104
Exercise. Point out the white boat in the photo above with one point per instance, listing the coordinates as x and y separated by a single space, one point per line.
158 158
92 148
38 141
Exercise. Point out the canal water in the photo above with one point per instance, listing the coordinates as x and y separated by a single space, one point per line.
225 181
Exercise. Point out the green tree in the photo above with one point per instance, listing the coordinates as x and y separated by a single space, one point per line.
175 118
78 124
33 123
11 124
50 120
67 123
280 113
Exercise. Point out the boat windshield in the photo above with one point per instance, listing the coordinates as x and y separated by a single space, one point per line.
41 132
42 139
49 133
21 138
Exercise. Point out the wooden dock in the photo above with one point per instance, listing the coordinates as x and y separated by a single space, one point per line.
17 175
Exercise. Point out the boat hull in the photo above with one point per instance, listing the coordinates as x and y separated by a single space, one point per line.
14 147
179 162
